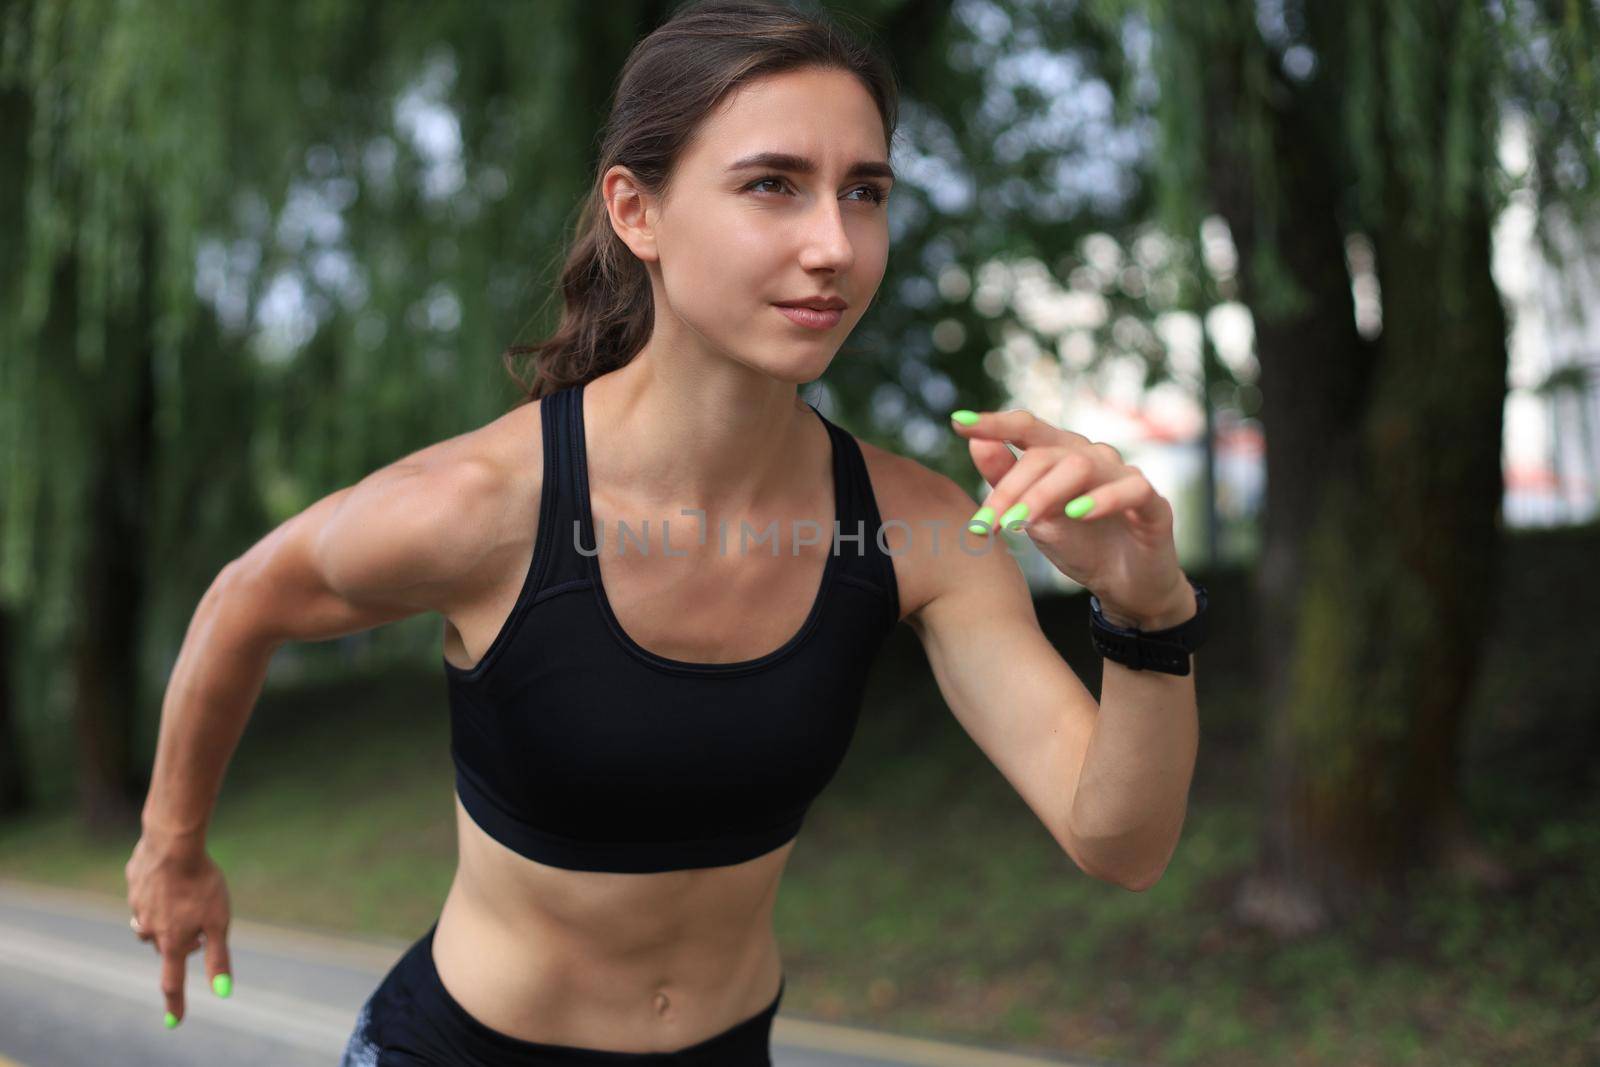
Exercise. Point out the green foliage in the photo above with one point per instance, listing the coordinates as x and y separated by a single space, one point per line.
183 166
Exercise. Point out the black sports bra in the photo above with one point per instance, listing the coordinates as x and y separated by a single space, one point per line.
577 747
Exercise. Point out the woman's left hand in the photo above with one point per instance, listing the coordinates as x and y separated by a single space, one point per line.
1121 549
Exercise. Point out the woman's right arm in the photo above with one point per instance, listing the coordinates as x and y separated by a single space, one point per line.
409 538
406 539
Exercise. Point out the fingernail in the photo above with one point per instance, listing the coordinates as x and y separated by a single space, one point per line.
965 417
172 1020
981 520
1015 513
1080 507
222 985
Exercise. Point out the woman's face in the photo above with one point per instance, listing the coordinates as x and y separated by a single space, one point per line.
738 235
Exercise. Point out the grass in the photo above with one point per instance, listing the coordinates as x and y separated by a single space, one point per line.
925 898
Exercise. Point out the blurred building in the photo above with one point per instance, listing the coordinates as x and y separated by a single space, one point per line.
1552 427
1551 455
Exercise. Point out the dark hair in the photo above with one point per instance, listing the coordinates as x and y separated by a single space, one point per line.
672 80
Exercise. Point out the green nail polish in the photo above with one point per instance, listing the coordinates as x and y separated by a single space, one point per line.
1080 507
222 985
172 1020
981 520
965 417
1015 513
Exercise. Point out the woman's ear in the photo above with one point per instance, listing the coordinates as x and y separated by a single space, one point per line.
633 212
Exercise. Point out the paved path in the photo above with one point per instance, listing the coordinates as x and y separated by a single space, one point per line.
77 989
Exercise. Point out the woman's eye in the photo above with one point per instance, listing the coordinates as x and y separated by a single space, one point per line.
875 195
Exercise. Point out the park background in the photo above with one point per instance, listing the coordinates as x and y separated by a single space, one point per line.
1327 273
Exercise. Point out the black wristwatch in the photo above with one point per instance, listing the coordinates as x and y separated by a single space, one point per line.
1166 650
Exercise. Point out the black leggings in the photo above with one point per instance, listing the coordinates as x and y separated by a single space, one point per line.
411 1020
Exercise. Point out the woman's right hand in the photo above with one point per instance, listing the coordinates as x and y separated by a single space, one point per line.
179 897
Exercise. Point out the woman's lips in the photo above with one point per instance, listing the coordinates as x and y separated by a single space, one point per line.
811 318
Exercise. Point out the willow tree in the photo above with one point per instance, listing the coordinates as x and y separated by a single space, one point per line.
150 434
1313 129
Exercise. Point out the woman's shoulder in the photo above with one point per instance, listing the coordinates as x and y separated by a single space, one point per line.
503 461
924 513
483 487
489 464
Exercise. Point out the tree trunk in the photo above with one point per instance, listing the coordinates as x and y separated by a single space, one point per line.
15 795
105 647
1383 484
16 127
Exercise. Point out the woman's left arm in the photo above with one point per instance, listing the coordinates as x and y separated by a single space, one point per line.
1134 757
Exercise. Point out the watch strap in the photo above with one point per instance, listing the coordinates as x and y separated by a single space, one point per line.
1166 651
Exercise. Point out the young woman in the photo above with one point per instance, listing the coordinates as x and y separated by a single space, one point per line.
638 729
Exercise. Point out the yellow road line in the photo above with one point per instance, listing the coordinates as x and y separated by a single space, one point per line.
6 1061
